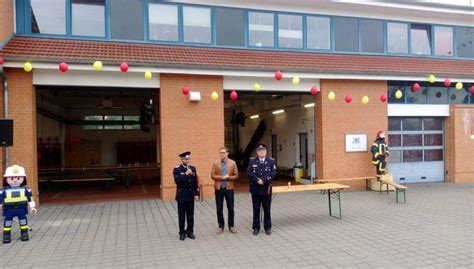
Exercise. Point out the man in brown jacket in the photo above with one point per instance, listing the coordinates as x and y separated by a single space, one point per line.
224 172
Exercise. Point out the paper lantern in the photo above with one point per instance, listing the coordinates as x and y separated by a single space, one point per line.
432 78
415 87
295 81
278 75
348 99
459 86
331 96
185 90
63 67
124 67
148 75
97 65
383 98
256 87
314 90
233 95
214 96
447 82
398 94
472 89
365 100
27 67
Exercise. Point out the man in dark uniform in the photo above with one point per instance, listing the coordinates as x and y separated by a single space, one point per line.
187 191
261 171
380 153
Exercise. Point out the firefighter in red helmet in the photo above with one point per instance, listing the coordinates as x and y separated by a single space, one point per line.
380 153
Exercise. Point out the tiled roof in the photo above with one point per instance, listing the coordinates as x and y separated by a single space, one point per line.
80 51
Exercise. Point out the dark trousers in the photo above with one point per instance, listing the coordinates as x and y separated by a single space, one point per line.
229 200
380 167
257 202
186 210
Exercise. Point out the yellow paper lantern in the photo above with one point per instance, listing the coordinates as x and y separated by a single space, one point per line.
398 94
256 87
331 96
27 67
214 96
148 75
459 86
295 81
432 78
97 65
365 100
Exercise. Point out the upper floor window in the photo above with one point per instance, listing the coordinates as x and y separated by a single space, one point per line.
230 27
397 37
163 22
346 34
126 19
420 35
88 18
290 31
48 17
318 33
197 24
443 37
371 36
465 42
261 29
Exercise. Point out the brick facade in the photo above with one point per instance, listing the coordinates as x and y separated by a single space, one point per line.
459 147
184 125
6 20
334 119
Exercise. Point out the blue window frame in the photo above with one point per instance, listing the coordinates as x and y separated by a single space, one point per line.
371 36
397 38
346 34
197 25
318 33
163 22
443 41
420 39
48 17
464 42
290 31
88 18
261 29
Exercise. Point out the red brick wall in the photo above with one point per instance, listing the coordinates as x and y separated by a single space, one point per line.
336 118
6 19
22 109
459 148
197 127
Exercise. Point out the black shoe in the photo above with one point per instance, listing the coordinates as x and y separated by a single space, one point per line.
191 236
268 232
182 237
256 231
6 237
24 235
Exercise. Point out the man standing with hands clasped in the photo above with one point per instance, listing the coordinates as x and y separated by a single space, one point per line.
187 191
261 171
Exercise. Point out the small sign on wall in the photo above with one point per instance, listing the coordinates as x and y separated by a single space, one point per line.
356 142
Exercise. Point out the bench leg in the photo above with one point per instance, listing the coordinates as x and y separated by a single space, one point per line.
338 195
404 196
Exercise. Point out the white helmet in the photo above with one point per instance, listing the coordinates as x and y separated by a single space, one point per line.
15 171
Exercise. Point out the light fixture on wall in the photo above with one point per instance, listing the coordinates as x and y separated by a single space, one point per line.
309 105
194 96
278 111
254 117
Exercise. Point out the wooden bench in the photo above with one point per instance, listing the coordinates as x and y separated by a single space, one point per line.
333 189
367 179
398 189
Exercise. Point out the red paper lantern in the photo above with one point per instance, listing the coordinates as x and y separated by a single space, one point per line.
233 95
124 67
415 87
383 98
348 99
314 90
471 89
278 75
447 82
63 67
185 90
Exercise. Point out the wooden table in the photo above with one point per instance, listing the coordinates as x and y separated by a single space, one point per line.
368 180
333 189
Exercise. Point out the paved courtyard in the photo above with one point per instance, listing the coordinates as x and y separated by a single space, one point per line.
434 229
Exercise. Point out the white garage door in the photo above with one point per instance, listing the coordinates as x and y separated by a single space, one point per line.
417 149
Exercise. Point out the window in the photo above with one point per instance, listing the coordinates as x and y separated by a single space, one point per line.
433 140
290 31
418 97
163 22
88 18
433 155
126 19
116 122
443 37
113 126
131 126
48 17
94 126
465 42
397 37
459 96
413 155
318 33
261 29
392 98
394 124
420 35
412 140
433 124
411 124
346 34
394 140
395 156
197 24
230 27
371 36
437 95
